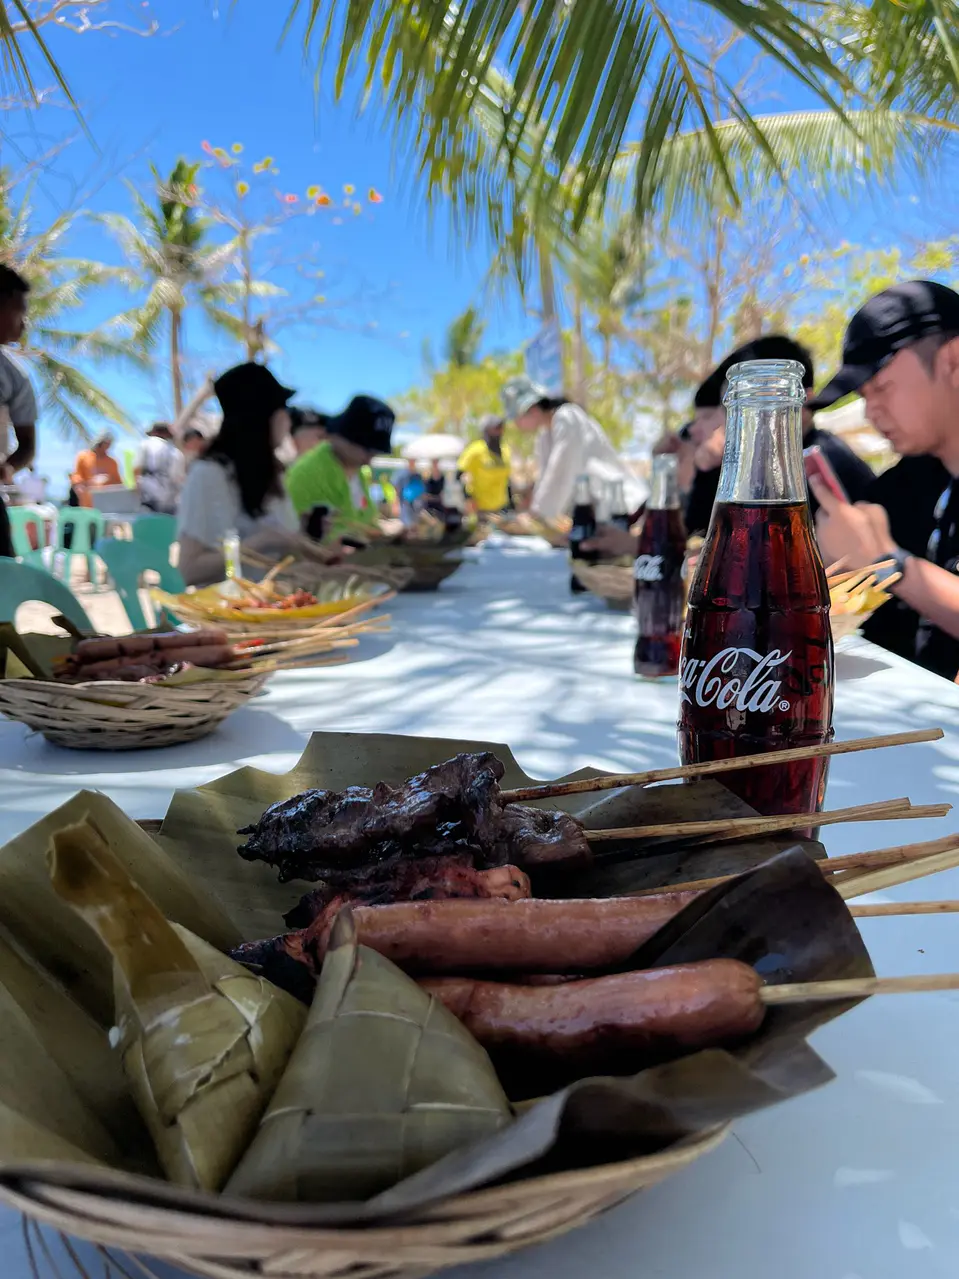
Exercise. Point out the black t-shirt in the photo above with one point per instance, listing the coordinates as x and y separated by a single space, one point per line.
855 475
935 650
908 492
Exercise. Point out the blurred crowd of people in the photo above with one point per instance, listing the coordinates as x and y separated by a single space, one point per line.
275 472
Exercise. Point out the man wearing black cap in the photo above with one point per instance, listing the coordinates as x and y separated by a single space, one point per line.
708 429
901 353
333 474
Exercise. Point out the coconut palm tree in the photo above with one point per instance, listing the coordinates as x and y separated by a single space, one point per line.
52 349
170 257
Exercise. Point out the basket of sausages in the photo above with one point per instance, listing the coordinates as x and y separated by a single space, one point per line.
133 692
376 1023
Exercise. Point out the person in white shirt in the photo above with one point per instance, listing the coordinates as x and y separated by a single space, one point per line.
16 393
570 444
237 485
160 470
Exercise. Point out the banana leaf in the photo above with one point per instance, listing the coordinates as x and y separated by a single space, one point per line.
34 1089
75 1043
21 1139
56 938
383 1082
202 1041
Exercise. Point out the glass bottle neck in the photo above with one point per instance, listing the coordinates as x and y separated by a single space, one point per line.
762 456
663 487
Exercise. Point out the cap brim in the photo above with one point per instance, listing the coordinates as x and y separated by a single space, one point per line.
849 378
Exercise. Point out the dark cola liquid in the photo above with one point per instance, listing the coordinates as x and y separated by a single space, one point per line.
584 527
658 593
756 670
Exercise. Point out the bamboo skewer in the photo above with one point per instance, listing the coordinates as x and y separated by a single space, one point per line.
857 988
878 860
880 910
711 767
736 828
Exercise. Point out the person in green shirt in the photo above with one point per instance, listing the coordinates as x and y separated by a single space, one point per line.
335 473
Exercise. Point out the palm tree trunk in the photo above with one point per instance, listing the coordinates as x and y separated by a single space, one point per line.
176 373
579 341
547 285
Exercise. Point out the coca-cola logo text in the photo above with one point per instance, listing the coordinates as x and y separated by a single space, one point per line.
648 568
711 682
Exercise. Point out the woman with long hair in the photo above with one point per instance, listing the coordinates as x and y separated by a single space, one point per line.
237 485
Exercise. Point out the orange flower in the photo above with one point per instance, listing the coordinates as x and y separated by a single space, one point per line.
323 201
291 198
205 146
374 196
191 191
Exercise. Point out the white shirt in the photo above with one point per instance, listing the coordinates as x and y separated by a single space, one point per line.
162 469
210 507
575 444
16 393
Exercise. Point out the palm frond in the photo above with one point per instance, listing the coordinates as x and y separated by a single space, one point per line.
582 73
67 395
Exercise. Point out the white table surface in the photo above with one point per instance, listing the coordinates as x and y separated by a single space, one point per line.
859 1180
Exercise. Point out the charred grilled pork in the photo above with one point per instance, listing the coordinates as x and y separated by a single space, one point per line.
453 809
321 831
293 961
422 879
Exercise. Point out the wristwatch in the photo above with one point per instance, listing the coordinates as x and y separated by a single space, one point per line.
893 565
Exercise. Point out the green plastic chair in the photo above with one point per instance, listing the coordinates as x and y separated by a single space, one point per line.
88 526
22 520
156 532
22 583
126 563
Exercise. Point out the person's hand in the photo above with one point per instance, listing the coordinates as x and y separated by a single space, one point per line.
858 535
611 542
100 480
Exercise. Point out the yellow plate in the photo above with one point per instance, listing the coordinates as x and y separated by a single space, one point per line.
217 607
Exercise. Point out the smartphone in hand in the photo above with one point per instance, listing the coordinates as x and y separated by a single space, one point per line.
816 463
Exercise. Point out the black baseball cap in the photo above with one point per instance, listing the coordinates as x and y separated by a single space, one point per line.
366 422
775 346
892 320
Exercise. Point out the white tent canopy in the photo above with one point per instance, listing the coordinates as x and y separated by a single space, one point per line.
434 448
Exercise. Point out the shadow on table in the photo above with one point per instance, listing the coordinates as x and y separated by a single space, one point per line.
850 666
250 731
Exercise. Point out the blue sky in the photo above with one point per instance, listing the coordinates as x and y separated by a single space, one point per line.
219 72
227 78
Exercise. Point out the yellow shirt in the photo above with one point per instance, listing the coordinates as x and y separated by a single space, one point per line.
487 476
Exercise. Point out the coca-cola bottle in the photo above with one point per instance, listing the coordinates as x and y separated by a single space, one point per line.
756 671
619 516
584 527
658 589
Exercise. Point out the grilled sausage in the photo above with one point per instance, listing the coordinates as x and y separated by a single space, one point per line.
135 645
542 1036
189 639
530 936
96 650
208 655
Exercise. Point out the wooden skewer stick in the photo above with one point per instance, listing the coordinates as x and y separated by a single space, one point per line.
887 810
857 988
270 577
881 858
881 909
615 780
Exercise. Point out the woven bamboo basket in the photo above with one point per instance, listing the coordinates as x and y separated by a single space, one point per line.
481 1226
611 582
111 715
